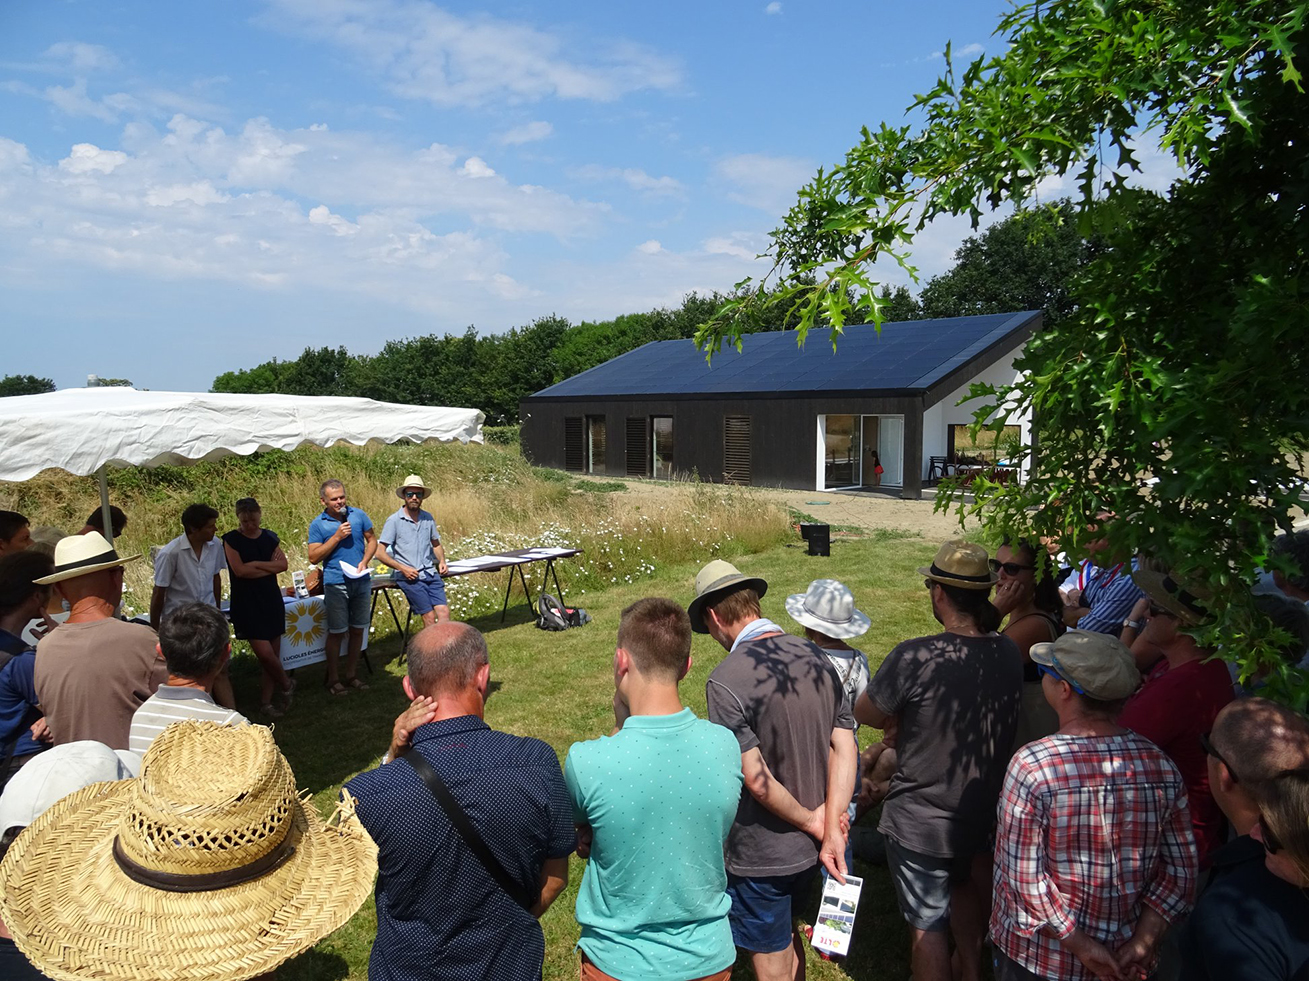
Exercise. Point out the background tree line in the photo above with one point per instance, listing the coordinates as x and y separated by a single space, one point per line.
1022 263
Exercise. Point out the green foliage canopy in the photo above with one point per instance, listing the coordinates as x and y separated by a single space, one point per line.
25 385
1172 394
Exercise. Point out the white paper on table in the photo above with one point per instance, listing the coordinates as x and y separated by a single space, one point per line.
548 553
836 911
352 572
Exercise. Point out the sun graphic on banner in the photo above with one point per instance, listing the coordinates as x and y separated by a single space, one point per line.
305 623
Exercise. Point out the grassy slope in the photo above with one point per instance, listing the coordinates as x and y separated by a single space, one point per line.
558 687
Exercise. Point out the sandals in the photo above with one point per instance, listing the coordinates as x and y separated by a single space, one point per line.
356 684
337 689
271 711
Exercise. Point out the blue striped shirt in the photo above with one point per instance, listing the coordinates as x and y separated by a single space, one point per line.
1109 594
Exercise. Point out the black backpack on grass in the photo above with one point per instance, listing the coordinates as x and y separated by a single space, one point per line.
553 615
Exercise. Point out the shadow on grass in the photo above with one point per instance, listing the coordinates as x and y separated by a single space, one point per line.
314 965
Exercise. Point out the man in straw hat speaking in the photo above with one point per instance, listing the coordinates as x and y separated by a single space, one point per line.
1093 853
956 695
411 545
94 671
783 701
207 867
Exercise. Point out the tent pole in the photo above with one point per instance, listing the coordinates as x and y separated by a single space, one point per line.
104 505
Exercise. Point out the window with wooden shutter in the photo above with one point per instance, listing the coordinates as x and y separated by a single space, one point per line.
637 466
574 447
736 449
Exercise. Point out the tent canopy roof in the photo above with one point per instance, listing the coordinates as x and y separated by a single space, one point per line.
81 430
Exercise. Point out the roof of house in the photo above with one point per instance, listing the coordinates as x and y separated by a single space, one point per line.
907 356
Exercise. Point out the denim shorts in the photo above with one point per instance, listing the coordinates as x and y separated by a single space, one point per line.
348 605
763 908
923 884
422 594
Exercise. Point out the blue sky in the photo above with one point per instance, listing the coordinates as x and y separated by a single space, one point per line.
188 188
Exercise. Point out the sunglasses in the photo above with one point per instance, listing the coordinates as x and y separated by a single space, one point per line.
410 493
1209 750
1010 568
928 584
1047 669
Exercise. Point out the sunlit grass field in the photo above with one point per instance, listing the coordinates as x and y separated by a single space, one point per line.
639 541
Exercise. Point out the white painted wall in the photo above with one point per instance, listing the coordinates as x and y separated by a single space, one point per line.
946 413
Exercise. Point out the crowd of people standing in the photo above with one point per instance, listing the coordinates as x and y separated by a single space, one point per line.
1069 786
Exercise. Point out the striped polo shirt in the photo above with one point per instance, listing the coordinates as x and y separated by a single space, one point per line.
173 703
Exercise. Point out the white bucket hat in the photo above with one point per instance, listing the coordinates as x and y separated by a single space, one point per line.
828 607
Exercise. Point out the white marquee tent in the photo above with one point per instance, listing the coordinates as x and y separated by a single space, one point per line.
85 430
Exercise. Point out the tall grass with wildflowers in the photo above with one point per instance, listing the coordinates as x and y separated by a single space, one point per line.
486 498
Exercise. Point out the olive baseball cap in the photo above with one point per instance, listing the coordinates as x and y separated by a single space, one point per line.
1097 665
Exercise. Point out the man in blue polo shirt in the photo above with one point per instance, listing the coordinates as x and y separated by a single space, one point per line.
342 534
657 799
411 546
440 912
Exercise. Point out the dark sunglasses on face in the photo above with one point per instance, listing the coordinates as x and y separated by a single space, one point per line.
413 493
1209 749
1010 568
1046 669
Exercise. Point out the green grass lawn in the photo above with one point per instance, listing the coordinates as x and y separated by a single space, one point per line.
559 688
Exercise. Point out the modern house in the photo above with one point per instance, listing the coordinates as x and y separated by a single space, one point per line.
778 415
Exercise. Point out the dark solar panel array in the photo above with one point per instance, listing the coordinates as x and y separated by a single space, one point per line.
909 355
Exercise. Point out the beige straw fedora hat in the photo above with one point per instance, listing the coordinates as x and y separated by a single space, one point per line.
961 564
207 867
1184 601
81 555
413 480
711 582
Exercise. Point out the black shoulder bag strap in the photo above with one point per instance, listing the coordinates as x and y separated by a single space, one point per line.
464 828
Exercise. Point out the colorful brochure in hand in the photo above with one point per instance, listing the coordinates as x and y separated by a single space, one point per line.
836 913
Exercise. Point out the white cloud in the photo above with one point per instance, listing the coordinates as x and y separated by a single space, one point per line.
766 182
429 53
527 133
741 245
968 51
773 9
651 247
73 100
81 57
633 177
86 158
199 192
476 168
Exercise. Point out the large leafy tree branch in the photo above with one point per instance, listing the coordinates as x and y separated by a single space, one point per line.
1174 394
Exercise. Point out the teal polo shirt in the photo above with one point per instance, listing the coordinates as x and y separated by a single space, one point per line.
661 796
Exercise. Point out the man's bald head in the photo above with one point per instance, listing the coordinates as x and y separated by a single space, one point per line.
445 657
1260 739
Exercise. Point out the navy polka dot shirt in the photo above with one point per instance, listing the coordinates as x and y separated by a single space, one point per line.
439 914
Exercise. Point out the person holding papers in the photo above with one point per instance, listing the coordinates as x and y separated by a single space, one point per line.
411 546
342 539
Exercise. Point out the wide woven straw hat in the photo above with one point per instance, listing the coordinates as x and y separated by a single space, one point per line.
81 555
961 564
208 867
413 480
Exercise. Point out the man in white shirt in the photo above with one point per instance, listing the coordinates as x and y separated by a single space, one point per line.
187 571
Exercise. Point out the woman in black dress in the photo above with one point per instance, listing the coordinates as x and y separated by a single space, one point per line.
255 557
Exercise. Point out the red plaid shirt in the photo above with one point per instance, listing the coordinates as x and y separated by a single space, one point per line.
1090 828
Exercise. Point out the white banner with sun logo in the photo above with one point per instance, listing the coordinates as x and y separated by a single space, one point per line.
305 640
